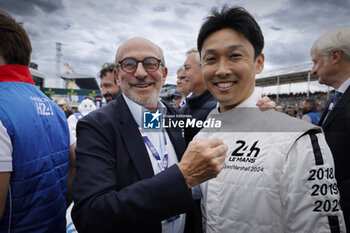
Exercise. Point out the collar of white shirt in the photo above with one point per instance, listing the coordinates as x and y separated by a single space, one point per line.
344 86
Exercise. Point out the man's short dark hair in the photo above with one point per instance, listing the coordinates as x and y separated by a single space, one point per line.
106 68
312 102
15 46
236 18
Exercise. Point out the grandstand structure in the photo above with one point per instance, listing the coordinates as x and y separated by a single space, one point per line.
38 76
76 86
82 81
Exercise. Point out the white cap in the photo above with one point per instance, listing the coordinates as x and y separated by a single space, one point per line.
61 102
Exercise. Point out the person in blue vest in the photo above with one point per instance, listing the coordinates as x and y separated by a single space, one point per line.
35 143
310 113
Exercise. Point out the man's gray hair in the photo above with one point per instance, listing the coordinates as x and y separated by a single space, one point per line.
181 68
337 38
194 50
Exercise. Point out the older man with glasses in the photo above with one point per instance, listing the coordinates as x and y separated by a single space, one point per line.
128 178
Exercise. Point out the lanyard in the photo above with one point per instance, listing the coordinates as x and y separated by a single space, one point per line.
162 163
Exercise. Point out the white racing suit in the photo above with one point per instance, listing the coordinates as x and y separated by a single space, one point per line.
279 176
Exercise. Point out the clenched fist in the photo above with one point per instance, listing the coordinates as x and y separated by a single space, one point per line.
203 160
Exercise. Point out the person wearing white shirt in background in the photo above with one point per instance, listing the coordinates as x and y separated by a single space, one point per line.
86 106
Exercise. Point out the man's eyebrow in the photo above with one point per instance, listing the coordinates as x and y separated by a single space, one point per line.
231 48
209 51
235 47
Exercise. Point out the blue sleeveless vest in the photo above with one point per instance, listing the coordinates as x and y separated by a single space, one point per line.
315 117
40 139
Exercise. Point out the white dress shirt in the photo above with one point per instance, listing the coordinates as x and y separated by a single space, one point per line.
157 139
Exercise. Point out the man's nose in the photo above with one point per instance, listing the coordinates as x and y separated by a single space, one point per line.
103 91
140 71
314 70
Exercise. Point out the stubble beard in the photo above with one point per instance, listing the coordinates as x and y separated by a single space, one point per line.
148 103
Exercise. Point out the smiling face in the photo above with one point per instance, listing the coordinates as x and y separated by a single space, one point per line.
229 67
141 86
182 82
192 72
109 88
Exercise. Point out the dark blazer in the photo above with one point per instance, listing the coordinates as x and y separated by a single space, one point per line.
115 189
337 132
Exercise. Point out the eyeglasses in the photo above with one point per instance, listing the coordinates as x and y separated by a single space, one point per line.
129 64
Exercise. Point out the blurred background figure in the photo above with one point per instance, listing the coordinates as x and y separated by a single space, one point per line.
110 89
177 98
310 112
291 111
330 54
201 101
62 104
86 106
279 108
183 85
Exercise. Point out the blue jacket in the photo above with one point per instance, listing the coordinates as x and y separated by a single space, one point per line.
314 116
39 135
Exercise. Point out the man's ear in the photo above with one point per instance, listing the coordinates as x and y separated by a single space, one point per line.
336 56
116 77
165 73
259 63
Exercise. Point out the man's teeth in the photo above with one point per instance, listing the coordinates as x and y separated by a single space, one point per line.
141 85
225 85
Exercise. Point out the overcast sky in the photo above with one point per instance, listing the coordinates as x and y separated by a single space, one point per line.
91 30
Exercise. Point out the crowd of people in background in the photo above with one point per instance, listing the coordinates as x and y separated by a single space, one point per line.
295 100
291 104
300 105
